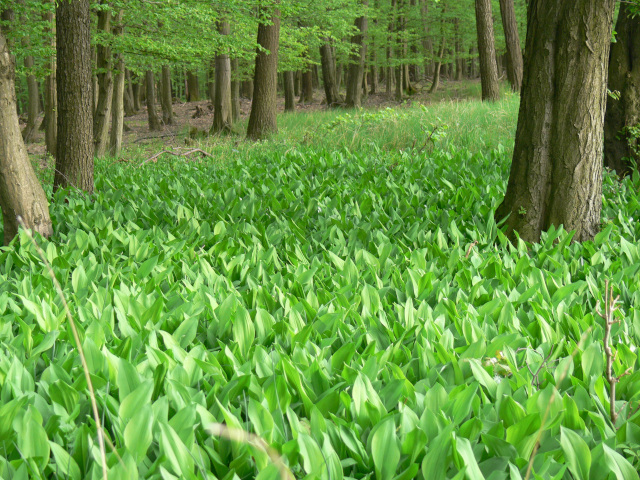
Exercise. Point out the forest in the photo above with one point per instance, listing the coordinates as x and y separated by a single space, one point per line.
320 240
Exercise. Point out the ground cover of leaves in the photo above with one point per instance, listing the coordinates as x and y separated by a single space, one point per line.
362 314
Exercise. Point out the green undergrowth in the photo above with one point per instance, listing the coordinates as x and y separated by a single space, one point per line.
361 312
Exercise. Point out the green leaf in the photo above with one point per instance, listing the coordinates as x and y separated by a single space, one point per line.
138 433
576 453
65 464
384 449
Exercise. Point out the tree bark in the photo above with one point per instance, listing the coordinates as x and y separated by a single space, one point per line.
50 100
222 114
514 52
193 87
33 101
129 106
621 147
102 114
117 107
329 76
356 67
20 191
556 174
74 160
137 92
289 97
438 66
306 96
487 49
262 120
235 91
154 120
167 96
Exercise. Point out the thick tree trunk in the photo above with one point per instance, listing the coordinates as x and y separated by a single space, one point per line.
262 120
621 147
487 49
117 107
50 100
514 52
222 115
129 106
154 120
289 97
167 96
235 91
193 87
102 114
247 89
356 67
20 191
74 160
556 174
329 76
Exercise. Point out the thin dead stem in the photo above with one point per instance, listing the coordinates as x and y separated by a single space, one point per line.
76 337
237 435
610 307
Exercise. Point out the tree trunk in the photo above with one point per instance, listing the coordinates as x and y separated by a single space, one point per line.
33 100
306 96
486 47
356 67
154 120
102 114
193 87
235 91
514 52
117 107
137 92
620 145
50 100
556 174
329 75
262 120
289 97
74 160
222 115
167 96
20 191
436 71
427 44
247 89
129 105
211 81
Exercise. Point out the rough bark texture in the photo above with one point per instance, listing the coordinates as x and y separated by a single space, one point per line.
154 120
117 107
235 91
356 67
74 160
222 115
167 96
262 120
193 87
556 174
306 95
487 50
512 39
289 94
624 77
102 114
20 191
329 76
